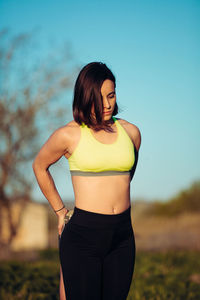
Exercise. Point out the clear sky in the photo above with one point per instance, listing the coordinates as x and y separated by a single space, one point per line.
153 48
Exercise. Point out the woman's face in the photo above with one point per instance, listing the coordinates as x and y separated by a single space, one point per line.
109 99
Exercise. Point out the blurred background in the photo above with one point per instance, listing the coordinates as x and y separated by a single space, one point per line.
153 48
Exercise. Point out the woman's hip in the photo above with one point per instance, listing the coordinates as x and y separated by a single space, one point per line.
98 220
95 234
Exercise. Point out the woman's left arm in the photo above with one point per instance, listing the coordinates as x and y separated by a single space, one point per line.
135 135
55 147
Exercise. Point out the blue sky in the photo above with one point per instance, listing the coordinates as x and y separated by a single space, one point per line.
153 48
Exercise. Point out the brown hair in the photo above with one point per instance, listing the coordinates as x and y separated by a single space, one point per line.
87 91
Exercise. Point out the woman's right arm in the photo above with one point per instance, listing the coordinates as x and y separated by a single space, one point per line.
54 148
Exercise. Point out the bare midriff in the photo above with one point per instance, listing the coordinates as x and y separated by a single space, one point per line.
102 194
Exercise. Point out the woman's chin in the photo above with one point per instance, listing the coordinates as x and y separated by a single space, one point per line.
107 117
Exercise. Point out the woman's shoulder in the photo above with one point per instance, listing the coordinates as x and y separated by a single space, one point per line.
132 130
67 131
69 127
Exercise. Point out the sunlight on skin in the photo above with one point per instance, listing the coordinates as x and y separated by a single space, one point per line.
62 288
109 100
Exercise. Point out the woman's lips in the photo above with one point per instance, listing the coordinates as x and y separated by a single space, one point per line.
107 112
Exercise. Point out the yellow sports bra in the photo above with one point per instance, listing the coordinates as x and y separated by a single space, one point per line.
93 158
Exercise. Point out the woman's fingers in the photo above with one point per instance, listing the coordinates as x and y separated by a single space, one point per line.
61 224
60 229
61 220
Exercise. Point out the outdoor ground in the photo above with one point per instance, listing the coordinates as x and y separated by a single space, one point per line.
167 263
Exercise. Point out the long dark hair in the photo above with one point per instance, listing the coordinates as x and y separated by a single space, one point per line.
87 91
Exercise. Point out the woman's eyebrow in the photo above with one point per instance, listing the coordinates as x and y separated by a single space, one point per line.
111 93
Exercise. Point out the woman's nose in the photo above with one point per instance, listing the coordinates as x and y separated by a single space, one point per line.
106 103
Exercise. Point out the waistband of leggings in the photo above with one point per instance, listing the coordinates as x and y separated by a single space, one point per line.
98 220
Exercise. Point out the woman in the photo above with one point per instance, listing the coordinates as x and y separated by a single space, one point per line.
97 245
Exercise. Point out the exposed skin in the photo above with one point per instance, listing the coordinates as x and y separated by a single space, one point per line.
62 287
101 194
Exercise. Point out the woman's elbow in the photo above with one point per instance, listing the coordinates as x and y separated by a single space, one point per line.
36 165
39 166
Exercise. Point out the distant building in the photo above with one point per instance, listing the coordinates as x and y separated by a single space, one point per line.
32 233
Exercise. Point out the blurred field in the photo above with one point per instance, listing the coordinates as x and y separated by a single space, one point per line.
170 225
167 255
167 275
158 232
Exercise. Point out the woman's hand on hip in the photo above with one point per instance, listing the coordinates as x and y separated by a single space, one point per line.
61 219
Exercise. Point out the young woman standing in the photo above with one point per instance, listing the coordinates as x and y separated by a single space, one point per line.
97 245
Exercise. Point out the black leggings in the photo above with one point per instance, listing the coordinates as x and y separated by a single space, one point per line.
97 254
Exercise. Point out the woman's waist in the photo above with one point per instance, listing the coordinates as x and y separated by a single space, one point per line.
103 205
112 185
102 199
93 219
104 195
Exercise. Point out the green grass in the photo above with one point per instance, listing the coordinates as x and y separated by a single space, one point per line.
30 280
170 275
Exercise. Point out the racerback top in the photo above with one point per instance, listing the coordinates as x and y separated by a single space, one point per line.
94 158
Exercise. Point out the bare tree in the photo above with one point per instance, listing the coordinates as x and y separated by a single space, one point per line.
31 86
